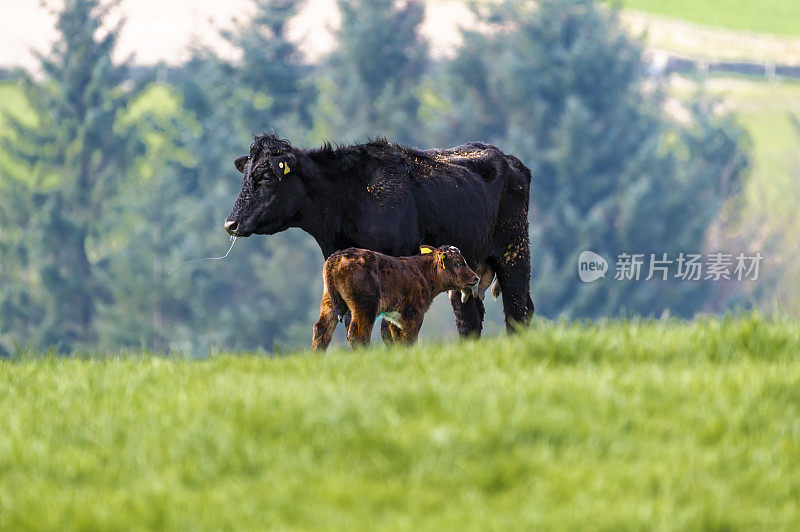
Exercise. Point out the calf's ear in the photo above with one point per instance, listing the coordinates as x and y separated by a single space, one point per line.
426 249
240 162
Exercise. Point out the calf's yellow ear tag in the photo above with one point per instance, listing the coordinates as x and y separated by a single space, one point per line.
424 249
285 168
441 260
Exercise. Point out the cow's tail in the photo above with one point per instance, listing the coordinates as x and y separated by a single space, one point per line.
496 288
339 305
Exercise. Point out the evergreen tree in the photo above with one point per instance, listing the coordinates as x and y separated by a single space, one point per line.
272 82
22 302
264 292
78 151
376 70
147 307
561 85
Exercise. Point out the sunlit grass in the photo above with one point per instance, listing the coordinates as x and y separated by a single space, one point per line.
604 426
766 16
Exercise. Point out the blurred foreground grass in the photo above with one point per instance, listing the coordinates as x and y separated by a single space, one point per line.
664 425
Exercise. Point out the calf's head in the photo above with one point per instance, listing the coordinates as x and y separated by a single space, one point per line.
451 268
272 192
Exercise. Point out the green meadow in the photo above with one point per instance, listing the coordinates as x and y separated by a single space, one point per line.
765 16
619 425
767 214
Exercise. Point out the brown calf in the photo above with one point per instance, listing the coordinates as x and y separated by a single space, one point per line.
399 289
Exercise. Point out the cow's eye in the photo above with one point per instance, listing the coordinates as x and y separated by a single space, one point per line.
458 264
265 174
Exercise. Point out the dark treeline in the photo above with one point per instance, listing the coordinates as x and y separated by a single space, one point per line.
120 177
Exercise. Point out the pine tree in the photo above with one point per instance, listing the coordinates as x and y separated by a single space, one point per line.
78 151
22 303
561 85
146 305
260 294
273 84
376 70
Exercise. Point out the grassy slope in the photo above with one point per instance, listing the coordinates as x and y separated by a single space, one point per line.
655 425
767 16
764 110
769 217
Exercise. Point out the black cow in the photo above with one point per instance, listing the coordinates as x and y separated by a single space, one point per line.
392 199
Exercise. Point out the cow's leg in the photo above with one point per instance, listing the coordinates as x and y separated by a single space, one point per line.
514 277
326 324
469 315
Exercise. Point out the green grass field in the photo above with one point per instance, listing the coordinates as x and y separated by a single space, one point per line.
781 17
642 425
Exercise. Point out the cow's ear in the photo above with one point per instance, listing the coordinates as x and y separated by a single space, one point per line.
288 165
426 249
240 162
281 166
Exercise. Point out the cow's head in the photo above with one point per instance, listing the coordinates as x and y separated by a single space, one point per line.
272 191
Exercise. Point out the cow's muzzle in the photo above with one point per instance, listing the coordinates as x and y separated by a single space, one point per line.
231 226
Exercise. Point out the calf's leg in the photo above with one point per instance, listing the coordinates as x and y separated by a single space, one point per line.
326 324
410 331
360 328
389 332
362 296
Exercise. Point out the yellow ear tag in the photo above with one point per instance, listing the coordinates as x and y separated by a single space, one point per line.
285 168
423 251
441 259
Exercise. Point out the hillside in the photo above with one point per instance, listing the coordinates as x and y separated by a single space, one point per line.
778 17
763 34
662 425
